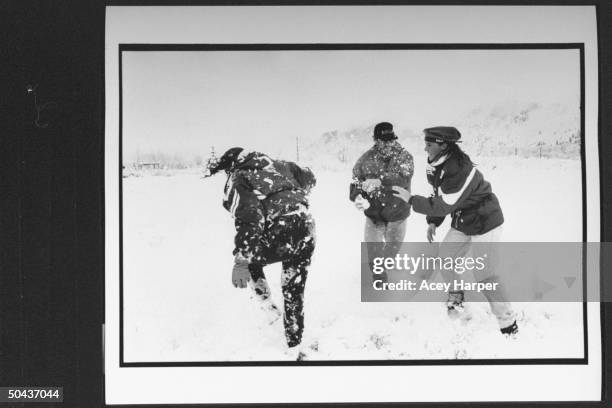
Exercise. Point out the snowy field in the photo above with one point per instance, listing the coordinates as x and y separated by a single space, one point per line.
180 305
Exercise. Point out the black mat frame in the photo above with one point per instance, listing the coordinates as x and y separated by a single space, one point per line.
343 47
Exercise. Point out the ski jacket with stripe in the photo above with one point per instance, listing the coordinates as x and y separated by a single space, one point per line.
393 166
258 193
459 189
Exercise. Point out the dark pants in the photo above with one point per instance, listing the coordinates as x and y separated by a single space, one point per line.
291 241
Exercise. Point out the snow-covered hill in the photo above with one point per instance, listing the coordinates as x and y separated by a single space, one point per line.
506 129
527 130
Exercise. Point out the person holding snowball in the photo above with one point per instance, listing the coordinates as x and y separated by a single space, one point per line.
385 165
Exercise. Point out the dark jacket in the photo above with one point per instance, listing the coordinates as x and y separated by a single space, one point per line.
459 190
259 192
393 166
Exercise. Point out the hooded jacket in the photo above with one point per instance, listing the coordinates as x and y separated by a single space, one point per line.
393 166
259 191
460 190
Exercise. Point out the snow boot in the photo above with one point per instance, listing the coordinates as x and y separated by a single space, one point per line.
301 356
296 353
510 331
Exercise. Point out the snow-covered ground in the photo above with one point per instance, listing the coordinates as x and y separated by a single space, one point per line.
180 305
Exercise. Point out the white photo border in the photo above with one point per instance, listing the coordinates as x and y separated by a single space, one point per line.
219 379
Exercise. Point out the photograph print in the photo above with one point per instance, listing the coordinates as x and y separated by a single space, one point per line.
251 175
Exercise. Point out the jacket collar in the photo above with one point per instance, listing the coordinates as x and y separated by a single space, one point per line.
440 160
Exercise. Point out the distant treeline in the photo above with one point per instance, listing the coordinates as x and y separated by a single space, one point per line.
158 160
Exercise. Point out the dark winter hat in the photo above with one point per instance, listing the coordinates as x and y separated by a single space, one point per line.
442 134
384 131
227 161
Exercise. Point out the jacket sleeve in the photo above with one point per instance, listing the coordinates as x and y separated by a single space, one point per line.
249 220
452 192
355 186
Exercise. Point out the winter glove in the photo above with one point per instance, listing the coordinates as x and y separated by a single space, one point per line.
370 185
431 232
361 203
240 272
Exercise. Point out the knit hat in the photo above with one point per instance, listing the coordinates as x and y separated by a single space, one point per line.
225 162
384 131
442 134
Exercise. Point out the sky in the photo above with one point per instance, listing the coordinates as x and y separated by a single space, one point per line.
185 102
